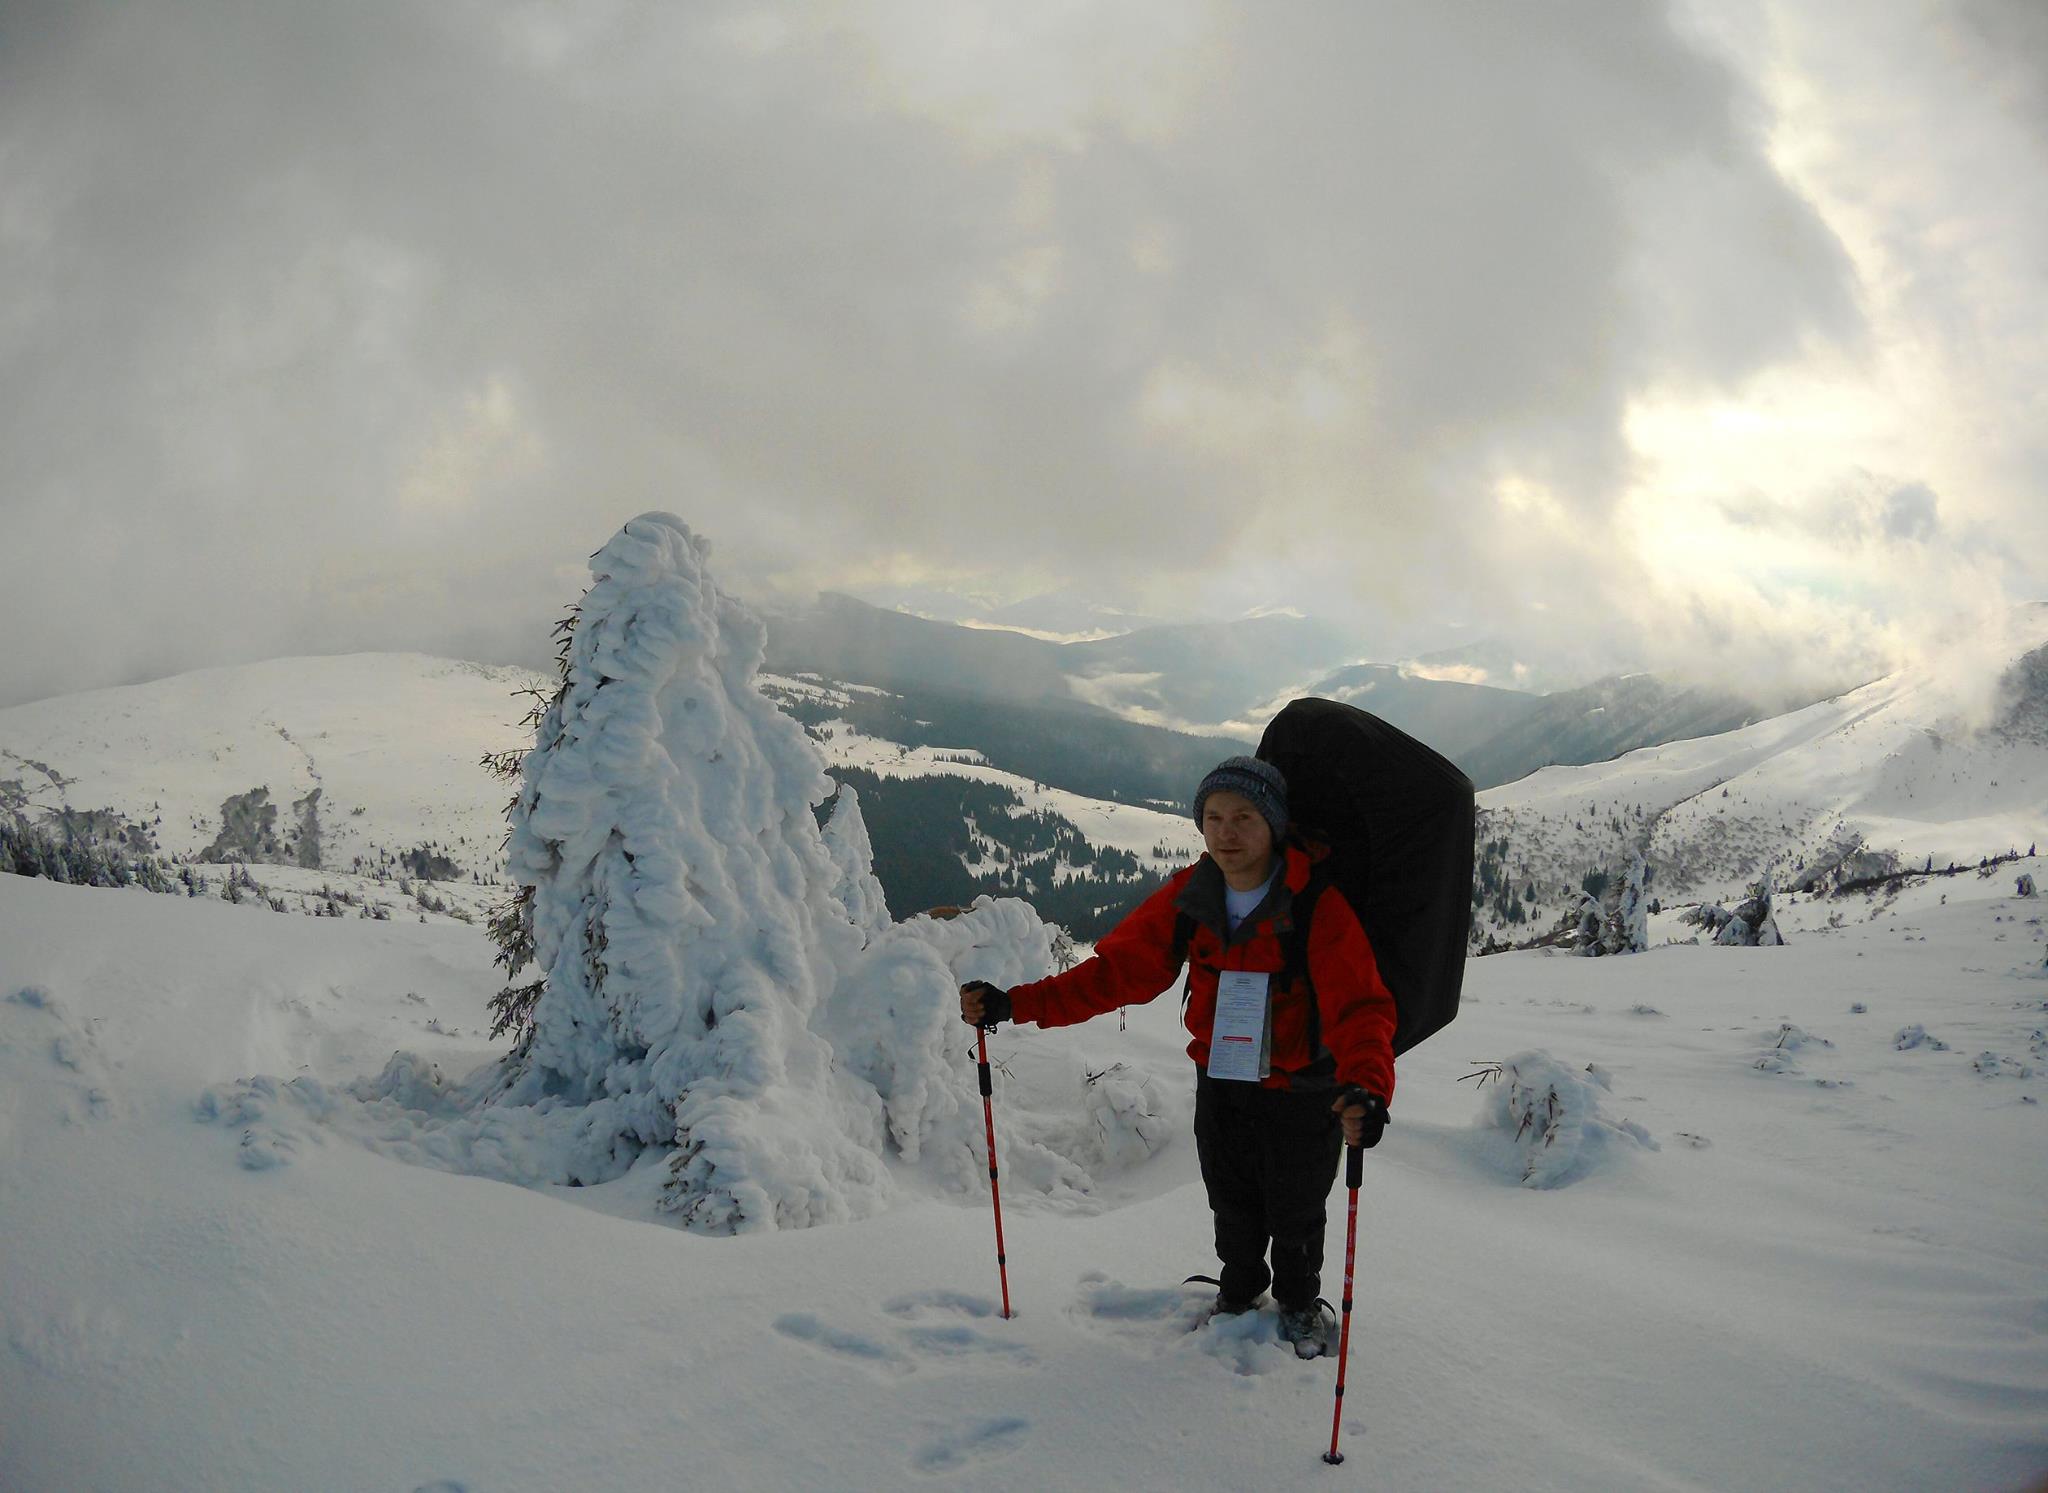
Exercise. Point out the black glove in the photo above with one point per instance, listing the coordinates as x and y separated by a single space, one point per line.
1375 1118
995 1003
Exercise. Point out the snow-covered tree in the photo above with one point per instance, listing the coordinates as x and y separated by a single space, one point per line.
1584 937
1749 924
1611 915
1627 929
719 982
858 891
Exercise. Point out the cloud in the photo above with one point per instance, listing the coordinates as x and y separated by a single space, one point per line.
2005 43
360 326
1912 512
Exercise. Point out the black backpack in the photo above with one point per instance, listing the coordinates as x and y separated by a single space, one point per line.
1399 820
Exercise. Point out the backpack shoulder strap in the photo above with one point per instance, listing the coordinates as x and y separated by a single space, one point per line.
1183 937
1294 956
1294 963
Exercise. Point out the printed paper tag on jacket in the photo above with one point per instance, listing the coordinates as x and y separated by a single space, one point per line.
1240 1037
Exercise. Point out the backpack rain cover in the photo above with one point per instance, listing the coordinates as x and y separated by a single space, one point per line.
1399 820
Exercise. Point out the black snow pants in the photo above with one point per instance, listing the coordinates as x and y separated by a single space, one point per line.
1269 1158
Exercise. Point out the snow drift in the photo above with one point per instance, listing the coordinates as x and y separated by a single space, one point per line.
1551 1114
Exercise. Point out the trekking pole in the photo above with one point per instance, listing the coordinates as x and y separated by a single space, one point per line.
995 1191
1354 1171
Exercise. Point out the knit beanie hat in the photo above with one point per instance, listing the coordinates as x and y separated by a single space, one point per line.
1258 781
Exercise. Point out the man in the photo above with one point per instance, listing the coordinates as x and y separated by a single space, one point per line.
1289 1061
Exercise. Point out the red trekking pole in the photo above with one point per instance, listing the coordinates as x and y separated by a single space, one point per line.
995 1192
1354 1171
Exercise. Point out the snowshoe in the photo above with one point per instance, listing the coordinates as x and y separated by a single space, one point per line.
1222 1306
1308 1328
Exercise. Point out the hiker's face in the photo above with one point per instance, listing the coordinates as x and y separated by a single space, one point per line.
1236 833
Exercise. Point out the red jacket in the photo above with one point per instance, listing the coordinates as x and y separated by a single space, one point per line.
1133 964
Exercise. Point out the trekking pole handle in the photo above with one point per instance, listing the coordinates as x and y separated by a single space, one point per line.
1354 1166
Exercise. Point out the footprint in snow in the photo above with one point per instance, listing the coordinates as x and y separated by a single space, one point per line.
867 1352
84 1086
919 1304
963 1342
960 1447
1177 1319
1142 1311
948 1336
918 1340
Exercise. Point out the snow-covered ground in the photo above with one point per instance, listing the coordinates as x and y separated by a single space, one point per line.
277 1215
1129 827
1789 1253
391 742
1939 761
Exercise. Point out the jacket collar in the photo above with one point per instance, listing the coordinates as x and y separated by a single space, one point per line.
1201 897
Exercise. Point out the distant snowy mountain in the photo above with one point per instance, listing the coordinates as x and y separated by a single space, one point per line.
338 763
1193 677
1067 612
1946 762
1496 662
1499 735
949 822
1230 679
319 769
841 638
1604 719
360 773
1455 718
1205 676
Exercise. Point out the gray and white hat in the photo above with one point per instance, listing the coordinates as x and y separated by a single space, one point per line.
1258 781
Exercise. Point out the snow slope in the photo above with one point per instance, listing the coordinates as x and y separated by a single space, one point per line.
1799 1260
391 741
1928 763
1119 826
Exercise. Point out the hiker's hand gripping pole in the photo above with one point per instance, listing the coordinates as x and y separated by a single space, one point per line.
983 1006
1354 1173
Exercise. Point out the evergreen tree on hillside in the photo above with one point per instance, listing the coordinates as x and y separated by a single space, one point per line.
510 924
703 991
1627 926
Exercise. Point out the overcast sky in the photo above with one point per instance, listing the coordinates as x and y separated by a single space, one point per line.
1628 332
